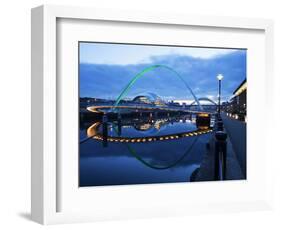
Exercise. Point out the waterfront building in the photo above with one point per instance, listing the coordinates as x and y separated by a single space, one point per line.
237 106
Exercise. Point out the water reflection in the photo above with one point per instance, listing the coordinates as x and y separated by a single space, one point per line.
141 150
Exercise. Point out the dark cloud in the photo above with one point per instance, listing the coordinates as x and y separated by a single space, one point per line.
108 81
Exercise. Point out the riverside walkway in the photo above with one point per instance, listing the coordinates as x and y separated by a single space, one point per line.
235 154
206 172
236 131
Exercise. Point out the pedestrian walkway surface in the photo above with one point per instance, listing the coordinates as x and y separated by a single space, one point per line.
236 142
236 131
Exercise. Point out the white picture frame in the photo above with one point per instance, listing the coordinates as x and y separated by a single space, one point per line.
46 183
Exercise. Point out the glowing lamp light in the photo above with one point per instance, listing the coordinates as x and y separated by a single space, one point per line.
220 77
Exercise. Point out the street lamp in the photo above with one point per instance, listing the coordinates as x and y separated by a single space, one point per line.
219 77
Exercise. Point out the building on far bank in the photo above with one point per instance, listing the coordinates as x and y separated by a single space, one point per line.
237 106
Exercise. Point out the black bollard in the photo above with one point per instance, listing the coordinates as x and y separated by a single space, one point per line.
219 125
220 155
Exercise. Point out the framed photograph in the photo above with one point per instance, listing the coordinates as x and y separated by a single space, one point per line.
138 115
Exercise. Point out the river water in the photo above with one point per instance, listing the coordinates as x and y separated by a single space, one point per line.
136 151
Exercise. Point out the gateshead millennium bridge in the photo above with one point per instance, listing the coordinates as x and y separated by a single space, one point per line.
152 104
149 102
149 109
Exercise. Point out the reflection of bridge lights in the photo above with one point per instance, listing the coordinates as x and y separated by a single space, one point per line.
93 130
144 126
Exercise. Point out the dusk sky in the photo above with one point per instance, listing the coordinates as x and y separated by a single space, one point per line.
106 69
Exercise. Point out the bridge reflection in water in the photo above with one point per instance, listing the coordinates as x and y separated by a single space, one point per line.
141 150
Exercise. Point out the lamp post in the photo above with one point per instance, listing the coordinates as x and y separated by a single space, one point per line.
219 77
